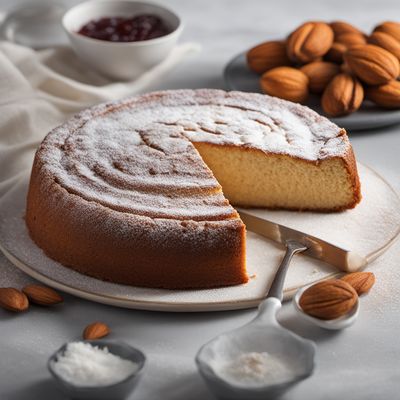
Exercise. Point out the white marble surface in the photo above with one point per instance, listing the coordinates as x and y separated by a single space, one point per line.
357 364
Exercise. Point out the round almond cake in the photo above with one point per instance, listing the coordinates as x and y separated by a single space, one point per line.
138 191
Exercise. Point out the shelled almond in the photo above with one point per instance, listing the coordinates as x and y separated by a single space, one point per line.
287 83
42 295
16 300
334 298
95 330
336 60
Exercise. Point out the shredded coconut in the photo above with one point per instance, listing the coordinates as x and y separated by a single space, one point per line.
255 369
85 365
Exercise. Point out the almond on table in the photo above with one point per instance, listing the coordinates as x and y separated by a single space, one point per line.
42 295
96 330
12 299
362 282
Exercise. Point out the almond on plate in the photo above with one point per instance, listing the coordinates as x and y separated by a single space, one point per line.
343 95
309 42
341 27
386 95
320 73
351 39
267 55
372 64
389 27
286 83
335 53
387 42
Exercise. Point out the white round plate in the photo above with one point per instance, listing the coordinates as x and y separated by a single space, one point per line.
238 76
368 230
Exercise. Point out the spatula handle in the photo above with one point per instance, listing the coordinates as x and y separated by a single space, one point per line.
276 289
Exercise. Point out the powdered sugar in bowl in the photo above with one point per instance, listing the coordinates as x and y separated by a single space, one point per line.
97 369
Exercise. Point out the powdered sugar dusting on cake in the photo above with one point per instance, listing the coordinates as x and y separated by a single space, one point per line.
137 155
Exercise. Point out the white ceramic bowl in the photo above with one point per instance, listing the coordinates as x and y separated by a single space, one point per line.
121 61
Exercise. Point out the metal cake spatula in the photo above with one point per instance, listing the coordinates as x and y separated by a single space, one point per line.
343 259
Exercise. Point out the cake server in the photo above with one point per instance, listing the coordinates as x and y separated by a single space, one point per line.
343 259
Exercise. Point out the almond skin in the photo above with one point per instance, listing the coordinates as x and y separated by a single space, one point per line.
341 27
329 299
342 96
267 55
391 28
309 42
372 64
361 282
387 95
335 53
42 295
320 73
96 330
286 83
13 300
387 42
351 39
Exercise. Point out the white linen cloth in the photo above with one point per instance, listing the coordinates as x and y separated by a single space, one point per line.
40 90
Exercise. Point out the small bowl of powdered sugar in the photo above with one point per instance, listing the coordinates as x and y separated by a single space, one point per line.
97 369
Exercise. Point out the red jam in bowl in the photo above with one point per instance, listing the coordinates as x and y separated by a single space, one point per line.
130 29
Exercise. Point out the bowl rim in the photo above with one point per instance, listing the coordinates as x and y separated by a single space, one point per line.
138 43
100 343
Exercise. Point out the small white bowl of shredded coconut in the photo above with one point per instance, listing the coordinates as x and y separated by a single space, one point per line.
96 369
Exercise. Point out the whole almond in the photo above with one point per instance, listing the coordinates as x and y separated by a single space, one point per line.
351 39
13 300
286 83
335 53
342 96
387 42
96 330
389 27
42 295
309 42
267 55
360 281
341 27
329 299
372 64
320 73
386 95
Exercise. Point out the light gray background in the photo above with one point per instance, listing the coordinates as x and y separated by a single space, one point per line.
362 362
